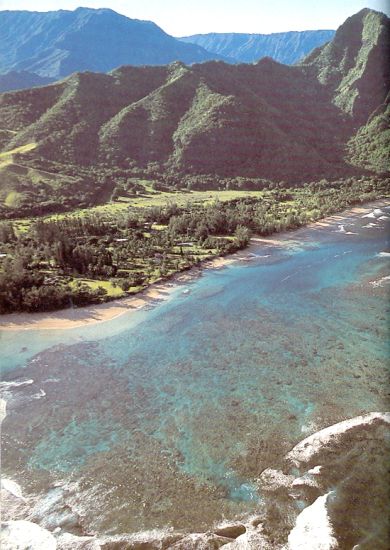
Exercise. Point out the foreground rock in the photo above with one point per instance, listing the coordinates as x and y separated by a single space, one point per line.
332 474
25 535
230 530
313 528
327 439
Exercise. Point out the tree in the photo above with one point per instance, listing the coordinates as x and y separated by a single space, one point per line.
241 236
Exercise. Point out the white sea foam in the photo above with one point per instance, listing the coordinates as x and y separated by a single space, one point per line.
384 218
384 254
313 529
307 428
381 281
15 384
3 409
370 215
369 225
39 395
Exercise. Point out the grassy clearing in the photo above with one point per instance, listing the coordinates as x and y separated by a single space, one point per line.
6 157
181 198
113 291
13 199
113 209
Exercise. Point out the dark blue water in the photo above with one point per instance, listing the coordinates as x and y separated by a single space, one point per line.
172 413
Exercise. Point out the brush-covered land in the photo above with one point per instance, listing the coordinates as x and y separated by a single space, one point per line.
109 182
78 142
107 252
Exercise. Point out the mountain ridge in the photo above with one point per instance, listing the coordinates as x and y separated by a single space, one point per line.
208 123
285 47
57 43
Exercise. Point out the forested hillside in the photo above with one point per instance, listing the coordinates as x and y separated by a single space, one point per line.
212 125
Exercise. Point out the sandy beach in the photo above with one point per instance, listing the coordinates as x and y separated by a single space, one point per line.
99 313
89 315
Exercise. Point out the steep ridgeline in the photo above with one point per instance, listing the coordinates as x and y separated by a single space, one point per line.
285 47
355 68
277 122
58 43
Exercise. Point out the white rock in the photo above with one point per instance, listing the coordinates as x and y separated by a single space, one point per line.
66 541
251 540
315 471
309 447
12 487
25 535
272 480
313 530
305 481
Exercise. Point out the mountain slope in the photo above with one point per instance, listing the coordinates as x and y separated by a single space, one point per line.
354 66
210 121
285 47
58 43
255 119
370 146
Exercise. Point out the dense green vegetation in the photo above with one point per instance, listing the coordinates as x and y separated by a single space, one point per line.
92 137
109 182
95 255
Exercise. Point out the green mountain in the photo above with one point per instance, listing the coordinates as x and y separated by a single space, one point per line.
354 66
285 47
323 118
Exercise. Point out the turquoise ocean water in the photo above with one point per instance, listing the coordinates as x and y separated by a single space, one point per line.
167 416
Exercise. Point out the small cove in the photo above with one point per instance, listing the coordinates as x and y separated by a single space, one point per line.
167 416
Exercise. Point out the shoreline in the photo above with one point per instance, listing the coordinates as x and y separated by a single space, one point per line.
70 318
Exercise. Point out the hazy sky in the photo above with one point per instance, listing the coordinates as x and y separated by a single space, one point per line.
183 17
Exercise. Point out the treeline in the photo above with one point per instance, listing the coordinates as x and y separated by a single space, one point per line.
66 187
64 261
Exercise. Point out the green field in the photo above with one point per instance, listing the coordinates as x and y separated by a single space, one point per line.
151 198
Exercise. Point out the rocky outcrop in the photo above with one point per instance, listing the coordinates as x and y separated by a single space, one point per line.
316 499
330 438
230 530
313 528
66 541
25 535
252 539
